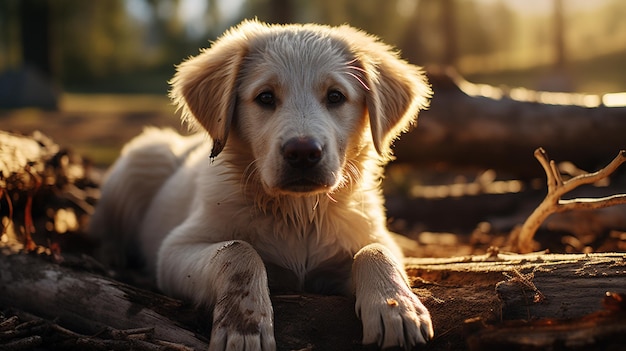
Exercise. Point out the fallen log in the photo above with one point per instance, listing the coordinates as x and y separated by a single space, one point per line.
599 331
542 301
491 127
578 281
493 288
89 303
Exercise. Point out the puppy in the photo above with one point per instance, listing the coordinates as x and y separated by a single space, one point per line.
280 190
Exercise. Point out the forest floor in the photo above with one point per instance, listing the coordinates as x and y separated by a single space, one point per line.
444 212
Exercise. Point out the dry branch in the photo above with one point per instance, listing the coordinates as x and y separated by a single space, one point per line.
34 333
522 238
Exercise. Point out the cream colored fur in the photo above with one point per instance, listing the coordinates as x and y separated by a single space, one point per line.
223 217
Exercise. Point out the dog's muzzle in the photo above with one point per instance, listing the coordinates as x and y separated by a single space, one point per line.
303 152
303 156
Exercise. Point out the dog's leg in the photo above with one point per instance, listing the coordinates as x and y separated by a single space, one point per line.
391 314
231 277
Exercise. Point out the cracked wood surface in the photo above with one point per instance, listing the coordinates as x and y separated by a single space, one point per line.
494 288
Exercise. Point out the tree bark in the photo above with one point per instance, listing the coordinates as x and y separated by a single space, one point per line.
526 302
536 285
90 304
87 303
494 289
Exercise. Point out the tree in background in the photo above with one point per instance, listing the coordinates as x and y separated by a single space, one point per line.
32 82
132 45
35 25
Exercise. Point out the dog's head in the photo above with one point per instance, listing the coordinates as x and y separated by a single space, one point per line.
307 100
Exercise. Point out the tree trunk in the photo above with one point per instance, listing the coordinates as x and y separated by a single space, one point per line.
35 16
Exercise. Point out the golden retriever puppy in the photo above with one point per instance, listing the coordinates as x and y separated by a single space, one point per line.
281 190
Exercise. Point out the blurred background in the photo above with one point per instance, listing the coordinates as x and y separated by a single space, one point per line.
130 46
91 74
53 52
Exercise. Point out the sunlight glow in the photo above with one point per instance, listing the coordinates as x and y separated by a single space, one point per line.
614 100
483 90
543 97
466 189
534 7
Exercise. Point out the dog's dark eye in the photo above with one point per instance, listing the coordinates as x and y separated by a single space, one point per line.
266 98
334 97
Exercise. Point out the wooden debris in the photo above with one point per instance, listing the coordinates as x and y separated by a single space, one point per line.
572 312
34 332
522 238
567 289
45 191
603 330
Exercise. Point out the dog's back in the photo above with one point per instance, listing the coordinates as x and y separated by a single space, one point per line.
131 184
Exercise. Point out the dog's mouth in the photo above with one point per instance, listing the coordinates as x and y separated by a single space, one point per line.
304 186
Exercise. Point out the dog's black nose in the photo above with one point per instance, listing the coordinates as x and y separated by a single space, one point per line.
302 152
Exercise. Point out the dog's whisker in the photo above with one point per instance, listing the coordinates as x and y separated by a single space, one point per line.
317 202
352 174
331 198
358 79
249 174
357 68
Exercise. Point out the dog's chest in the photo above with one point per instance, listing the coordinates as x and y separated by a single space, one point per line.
303 265
310 257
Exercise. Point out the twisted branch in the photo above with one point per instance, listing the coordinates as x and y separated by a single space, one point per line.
522 240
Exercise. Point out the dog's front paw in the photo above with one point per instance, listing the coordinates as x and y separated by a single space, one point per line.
391 314
240 322
397 319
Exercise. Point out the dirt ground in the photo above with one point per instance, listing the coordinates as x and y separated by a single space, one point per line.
427 206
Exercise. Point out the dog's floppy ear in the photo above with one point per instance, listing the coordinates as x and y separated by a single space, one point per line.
396 90
204 86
